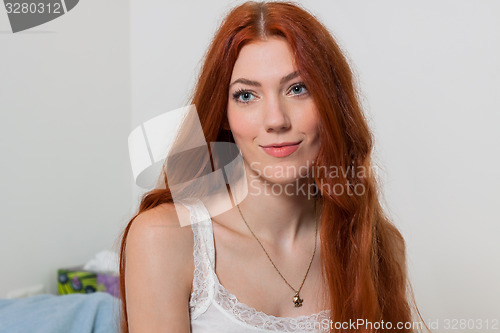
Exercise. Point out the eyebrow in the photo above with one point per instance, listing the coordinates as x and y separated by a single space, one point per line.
284 79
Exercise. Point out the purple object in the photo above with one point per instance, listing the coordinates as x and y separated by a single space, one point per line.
110 282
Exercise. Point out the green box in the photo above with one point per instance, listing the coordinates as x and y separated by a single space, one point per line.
78 280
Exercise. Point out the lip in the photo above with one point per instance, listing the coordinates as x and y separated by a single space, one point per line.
282 149
281 144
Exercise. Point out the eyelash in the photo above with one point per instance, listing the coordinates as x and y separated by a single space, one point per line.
239 92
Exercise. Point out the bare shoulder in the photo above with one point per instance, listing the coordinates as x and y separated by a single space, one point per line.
164 215
160 231
159 271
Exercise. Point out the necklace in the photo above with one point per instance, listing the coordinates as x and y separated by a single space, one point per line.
297 301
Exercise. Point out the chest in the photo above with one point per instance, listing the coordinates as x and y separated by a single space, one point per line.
244 269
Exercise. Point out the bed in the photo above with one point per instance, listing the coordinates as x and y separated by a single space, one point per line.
73 313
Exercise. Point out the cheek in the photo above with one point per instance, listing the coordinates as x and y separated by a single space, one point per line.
309 122
242 126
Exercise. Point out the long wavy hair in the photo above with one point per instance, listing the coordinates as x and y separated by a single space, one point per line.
363 253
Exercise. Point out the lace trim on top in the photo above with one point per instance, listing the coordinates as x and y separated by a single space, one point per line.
203 285
207 287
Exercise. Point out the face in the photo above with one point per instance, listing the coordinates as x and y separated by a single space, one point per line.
268 106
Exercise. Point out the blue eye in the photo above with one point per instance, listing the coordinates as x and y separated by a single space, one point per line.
298 89
245 94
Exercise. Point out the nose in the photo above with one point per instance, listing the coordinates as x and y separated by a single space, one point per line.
276 118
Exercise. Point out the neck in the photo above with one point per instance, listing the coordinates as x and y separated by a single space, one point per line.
277 217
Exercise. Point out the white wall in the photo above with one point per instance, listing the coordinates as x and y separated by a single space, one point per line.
65 178
430 79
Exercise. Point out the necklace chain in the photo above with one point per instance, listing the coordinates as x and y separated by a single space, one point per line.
297 299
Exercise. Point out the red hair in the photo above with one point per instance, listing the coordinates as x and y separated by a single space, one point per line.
363 253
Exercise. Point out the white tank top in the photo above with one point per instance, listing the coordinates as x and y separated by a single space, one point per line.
214 309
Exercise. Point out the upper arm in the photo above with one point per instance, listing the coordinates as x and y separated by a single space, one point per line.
158 272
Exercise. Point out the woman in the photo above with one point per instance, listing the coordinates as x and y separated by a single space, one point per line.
295 252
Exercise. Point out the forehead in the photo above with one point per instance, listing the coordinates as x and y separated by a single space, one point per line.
265 60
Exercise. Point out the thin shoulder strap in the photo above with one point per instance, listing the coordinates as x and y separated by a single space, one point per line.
203 254
202 222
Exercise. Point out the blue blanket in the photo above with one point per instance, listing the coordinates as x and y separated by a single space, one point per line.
73 313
